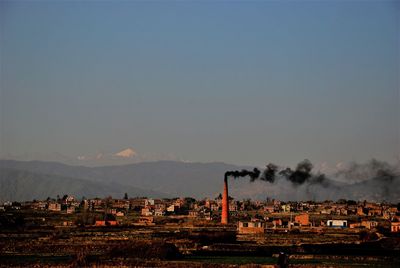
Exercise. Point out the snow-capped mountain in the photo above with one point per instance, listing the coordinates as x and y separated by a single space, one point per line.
118 157
127 153
122 157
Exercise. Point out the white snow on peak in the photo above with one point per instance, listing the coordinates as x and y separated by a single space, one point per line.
127 153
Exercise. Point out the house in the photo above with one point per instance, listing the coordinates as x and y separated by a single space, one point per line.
112 211
395 227
207 215
337 223
38 205
120 204
105 223
146 212
251 227
193 213
214 207
286 208
179 202
159 212
119 214
54 207
360 211
375 212
69 199
302 219
326 211
149 202
364 224
70 210
233 206
277 222
354 225
146 220
171 208
137 203
68 223
269 208
369 224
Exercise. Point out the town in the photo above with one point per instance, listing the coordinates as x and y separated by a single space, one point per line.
83 231
273 214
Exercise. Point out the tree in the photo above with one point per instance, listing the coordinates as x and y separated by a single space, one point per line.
126 196
190 200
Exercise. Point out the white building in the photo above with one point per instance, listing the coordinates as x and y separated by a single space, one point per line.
337 223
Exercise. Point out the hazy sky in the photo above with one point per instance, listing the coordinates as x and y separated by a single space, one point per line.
241 82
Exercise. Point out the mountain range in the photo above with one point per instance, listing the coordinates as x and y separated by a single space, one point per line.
100 158
26 180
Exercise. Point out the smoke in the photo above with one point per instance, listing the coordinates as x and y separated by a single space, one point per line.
320 179
300 175
374 180
254 174
379 179
355 172
269 173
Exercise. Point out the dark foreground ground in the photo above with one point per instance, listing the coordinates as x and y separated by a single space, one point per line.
189 243
189 246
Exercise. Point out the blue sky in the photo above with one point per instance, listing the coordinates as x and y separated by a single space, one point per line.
245 82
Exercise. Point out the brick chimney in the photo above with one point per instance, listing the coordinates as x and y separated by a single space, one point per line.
225 203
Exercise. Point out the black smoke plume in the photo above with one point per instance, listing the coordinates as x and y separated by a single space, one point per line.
374 180
254 174
300 175
302 172
269 173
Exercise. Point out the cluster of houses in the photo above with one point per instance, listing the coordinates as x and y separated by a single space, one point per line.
268 213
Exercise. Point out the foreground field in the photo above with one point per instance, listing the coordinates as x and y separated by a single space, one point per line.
189 243
178 246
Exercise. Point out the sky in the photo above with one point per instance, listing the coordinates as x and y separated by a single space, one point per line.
242 82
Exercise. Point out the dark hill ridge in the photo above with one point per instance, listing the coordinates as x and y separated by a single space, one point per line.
21 185
170 179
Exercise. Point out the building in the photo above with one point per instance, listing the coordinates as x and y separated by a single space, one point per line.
54 207
302 219
395 227
106 223
119 214
146 220
269 208
159 212
277 223
137 203
149 202
146 212
286 208
38 205
193 213
171 208
251 227
336 223
369 224
233 206
70 210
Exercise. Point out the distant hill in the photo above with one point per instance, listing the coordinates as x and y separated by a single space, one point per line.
20 185
19 180
169 177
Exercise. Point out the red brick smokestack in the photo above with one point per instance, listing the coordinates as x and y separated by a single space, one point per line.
225 203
